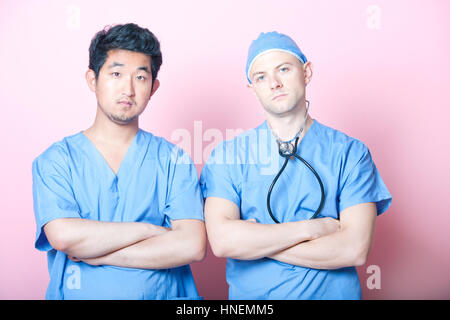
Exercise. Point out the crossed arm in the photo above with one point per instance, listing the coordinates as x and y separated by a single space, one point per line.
323 243
128 244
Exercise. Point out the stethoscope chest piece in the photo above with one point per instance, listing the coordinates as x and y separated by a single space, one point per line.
286 149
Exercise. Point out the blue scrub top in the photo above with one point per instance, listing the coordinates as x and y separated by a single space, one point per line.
241 170
156 183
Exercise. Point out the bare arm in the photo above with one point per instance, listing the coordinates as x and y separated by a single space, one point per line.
84 238
232 237
349 246
183 244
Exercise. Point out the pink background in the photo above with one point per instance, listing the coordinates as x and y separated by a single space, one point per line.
387 86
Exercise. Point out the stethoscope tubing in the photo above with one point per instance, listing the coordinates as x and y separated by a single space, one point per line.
322 190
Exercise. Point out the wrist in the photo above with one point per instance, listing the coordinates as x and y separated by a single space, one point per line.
307 230
154 230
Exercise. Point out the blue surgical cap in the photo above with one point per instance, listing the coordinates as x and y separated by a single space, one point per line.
272 41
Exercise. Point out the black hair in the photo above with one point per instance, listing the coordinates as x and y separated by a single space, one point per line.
126 37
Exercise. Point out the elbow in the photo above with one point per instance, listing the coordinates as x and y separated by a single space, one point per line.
360 257
197 248
219 250
218 246
199 252
55 236
229 247
360 261
217 242
60 243
224 248
357 250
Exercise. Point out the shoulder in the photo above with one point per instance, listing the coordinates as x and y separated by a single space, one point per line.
242 144
161 148
339 141
57 151
56 156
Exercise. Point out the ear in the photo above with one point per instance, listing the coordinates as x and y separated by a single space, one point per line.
252 89
308 71
91 80
155 87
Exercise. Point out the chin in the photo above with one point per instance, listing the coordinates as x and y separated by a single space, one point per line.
121 119
279 110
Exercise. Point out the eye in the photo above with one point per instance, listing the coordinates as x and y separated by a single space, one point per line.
259 78
284 69
115 74
141 78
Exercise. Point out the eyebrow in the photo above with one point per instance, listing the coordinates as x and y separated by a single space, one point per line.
283 64
260 72
144 68
117 64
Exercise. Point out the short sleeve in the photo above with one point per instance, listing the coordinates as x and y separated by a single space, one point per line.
216 178
184 199
361 182
52 193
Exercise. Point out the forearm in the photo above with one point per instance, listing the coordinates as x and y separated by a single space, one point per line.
168 250
244 240
334 251
232 237
349 246
84 238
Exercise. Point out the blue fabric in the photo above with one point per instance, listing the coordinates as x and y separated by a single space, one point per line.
270 41
156 183
241 170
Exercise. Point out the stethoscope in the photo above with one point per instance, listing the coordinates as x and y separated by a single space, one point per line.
287 149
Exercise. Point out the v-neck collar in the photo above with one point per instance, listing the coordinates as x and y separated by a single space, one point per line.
124 164
273 139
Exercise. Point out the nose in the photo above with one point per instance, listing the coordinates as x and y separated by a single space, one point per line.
275 82
128 87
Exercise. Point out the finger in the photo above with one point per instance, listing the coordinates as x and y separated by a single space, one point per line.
74 259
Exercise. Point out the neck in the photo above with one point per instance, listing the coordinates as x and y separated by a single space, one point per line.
107 131
285 127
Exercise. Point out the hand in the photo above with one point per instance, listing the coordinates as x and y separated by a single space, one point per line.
323 226
73 259
92 261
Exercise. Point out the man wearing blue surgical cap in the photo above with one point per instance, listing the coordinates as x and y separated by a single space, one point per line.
299 257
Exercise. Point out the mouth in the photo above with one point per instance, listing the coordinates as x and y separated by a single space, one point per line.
281 95
126 103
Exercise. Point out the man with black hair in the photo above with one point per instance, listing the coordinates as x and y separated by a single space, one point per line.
119 210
